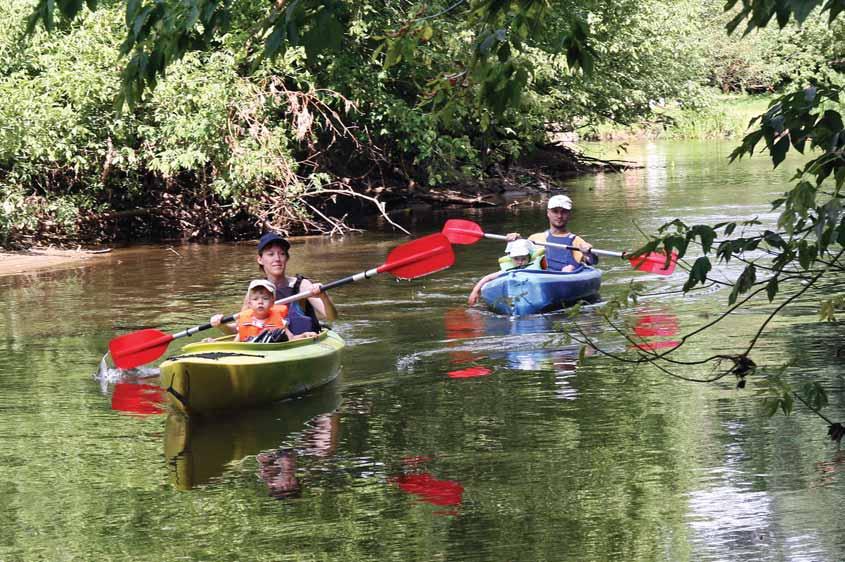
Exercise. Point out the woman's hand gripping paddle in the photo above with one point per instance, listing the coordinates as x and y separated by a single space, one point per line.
460 231
411 260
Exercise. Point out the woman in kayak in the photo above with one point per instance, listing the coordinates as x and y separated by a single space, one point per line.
519 254
262 321
304 315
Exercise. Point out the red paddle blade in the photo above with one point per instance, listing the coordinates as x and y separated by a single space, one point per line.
460 231
131 350
655 262
420 257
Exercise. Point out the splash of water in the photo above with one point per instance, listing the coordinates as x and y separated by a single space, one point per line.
107 374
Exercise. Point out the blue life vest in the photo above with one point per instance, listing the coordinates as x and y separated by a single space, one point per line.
301 315
558 258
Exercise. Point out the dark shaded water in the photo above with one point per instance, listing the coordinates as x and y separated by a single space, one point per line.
452 434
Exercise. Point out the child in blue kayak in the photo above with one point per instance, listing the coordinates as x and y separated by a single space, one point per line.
262 321
519 254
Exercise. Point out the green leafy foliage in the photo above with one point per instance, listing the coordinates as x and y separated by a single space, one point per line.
778 396
805 251
222 100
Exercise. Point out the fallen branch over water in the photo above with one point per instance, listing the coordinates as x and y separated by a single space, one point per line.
454 197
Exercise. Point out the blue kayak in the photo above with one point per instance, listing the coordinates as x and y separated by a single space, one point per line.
532 291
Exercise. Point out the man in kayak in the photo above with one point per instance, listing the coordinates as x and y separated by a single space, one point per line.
559 210
262 321
519 252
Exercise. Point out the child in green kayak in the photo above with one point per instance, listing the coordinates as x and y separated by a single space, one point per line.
519 252
262 321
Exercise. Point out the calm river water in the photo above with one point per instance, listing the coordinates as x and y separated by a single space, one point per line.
538 456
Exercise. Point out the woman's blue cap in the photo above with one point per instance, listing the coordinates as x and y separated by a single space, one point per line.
272 238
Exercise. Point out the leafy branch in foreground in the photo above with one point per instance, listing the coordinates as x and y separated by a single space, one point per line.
161 32
804 253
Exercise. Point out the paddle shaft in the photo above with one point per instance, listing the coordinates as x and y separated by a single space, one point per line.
461 231
563 246
411 260
368 274
166 338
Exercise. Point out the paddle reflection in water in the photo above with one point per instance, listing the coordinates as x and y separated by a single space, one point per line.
469 372
426 488
650 324
199 450
137 398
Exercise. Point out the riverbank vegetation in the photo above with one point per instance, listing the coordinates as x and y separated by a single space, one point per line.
214 118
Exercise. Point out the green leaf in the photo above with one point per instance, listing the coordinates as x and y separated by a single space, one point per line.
698 274
132 7
705 233
772 288
840 232
326 34
774 239
814 394
807 253
803 197
504 52
746 280
770 406
786 403
779 150
193 16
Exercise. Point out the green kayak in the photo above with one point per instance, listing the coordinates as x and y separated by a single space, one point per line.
209 377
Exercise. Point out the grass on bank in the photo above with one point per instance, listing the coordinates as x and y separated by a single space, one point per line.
725 117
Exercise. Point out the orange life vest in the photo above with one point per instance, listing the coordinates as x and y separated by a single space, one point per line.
249 326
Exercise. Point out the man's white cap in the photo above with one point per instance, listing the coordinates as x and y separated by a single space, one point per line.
262 283
519 247
560 201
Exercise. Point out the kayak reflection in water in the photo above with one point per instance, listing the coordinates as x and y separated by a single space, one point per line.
277 468
518 256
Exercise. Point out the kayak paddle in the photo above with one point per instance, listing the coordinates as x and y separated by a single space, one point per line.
413 259
461 231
